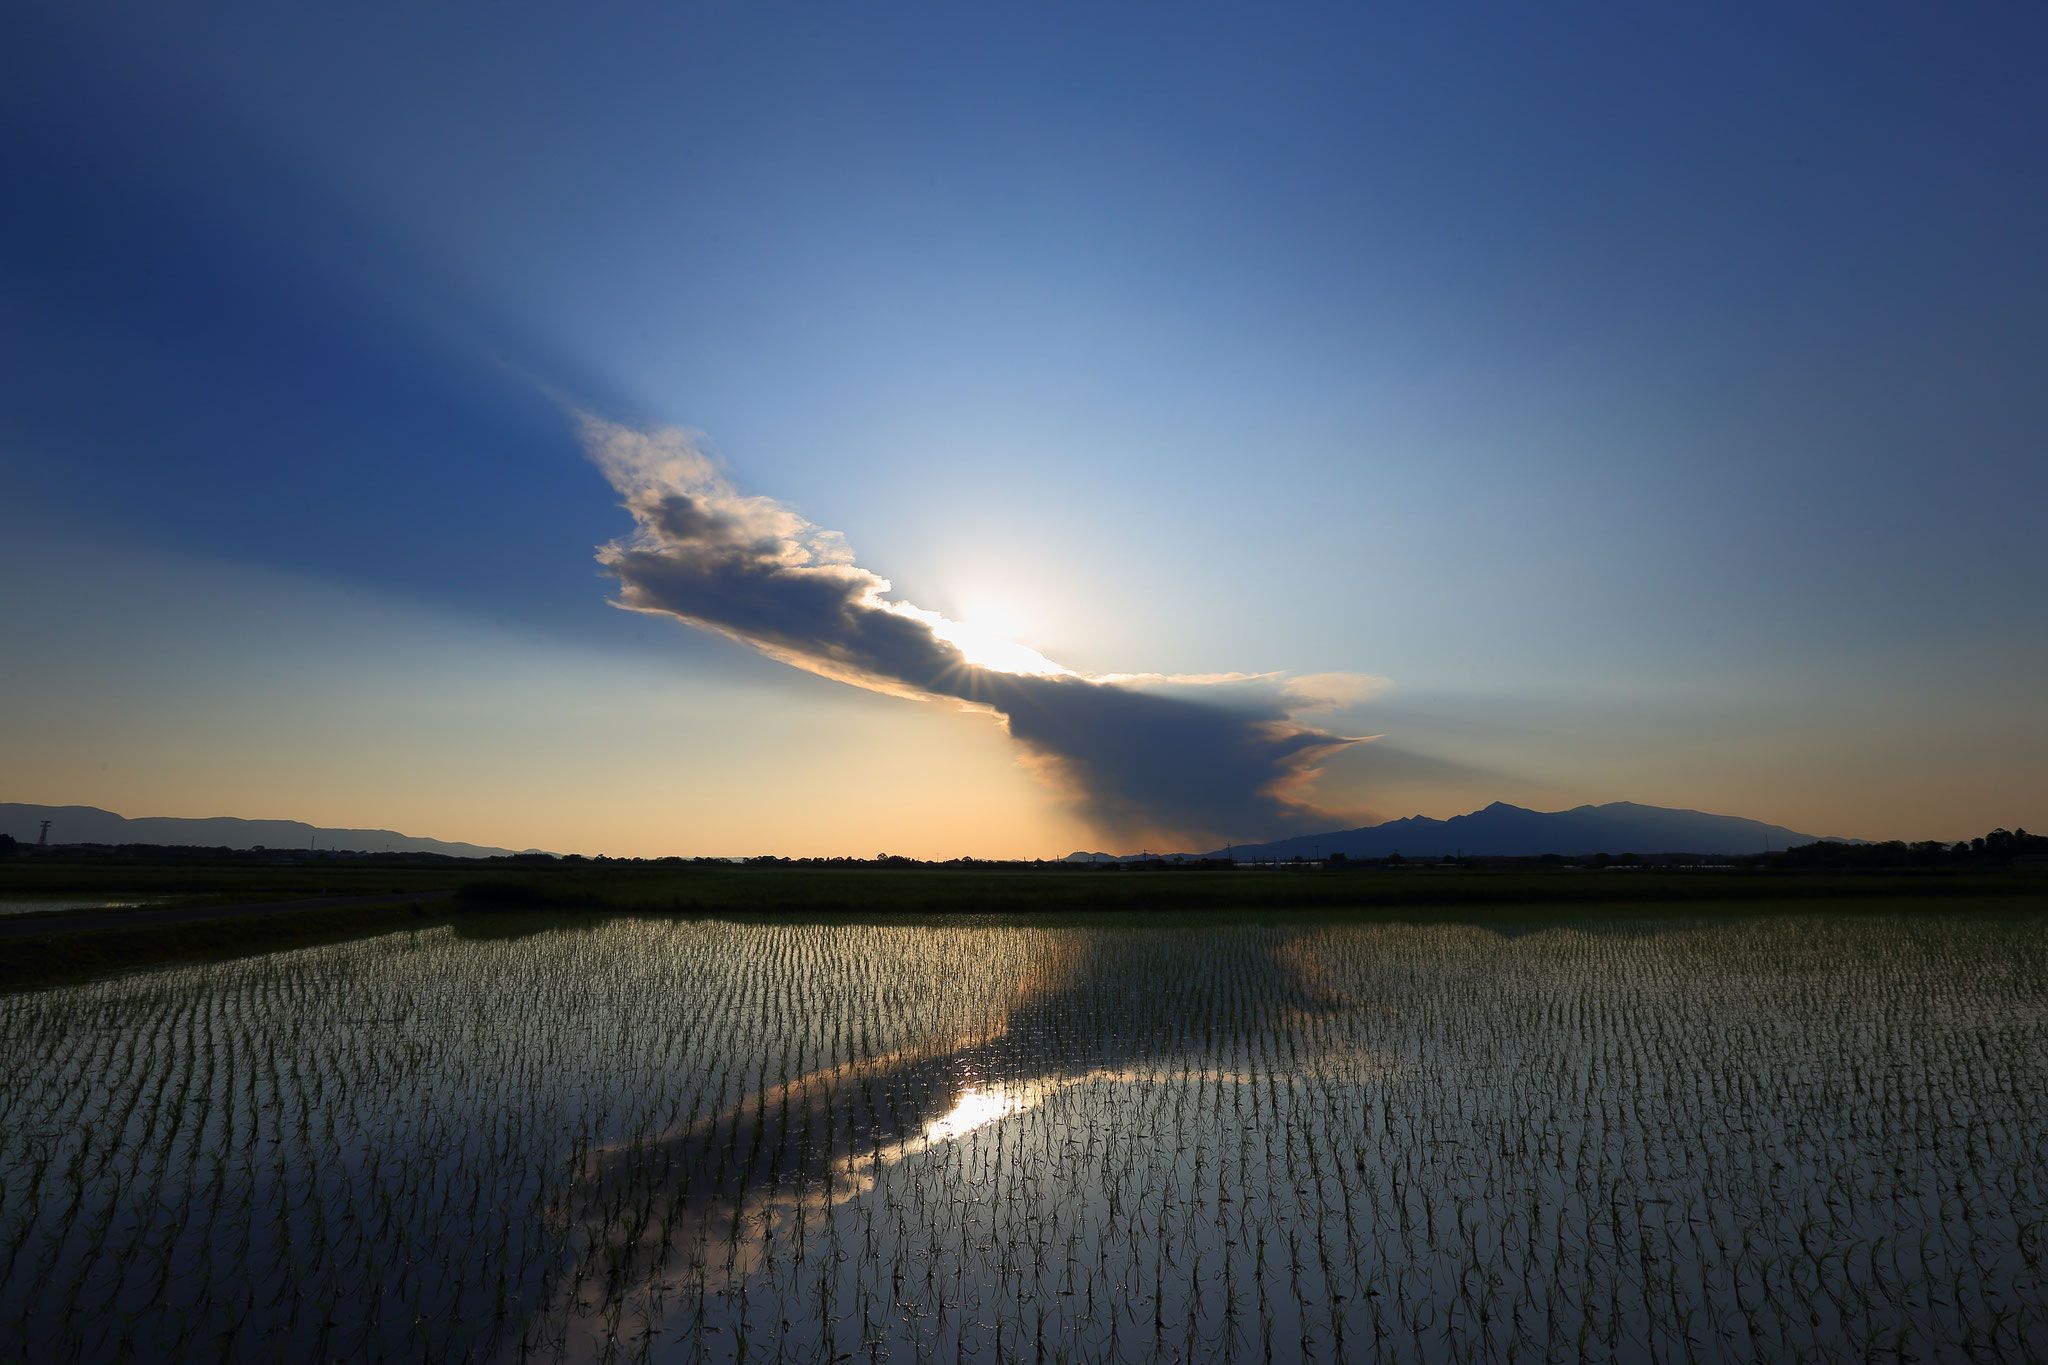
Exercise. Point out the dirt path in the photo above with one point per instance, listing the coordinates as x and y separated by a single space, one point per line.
81 921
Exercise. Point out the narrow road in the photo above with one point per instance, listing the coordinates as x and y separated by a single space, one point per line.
81 921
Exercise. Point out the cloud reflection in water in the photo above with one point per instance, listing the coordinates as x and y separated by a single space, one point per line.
1105 1026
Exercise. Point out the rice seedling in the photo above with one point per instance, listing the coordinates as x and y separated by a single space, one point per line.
1813 1137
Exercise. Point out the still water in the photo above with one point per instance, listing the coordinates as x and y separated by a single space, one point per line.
1700 1137
31 905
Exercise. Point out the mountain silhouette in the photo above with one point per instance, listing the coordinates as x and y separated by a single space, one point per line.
1505 831
91 825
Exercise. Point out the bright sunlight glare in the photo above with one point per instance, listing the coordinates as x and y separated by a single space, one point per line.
982 648
973 1109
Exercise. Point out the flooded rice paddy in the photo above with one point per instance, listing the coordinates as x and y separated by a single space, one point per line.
1774 1137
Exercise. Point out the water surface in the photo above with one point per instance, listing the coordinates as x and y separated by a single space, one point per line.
1714 1137
30 905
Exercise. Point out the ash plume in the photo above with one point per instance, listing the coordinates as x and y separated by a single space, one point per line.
1212 759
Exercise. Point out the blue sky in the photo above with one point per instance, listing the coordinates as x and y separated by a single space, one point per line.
1653 401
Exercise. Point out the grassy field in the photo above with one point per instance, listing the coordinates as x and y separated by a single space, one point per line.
699 890
225 880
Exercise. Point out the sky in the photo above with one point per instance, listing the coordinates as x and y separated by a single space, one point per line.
941 430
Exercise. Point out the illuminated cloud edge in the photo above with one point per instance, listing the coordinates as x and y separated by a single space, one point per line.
1208 760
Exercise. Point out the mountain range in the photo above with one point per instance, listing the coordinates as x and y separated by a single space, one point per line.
1499 830
1505 831
91 825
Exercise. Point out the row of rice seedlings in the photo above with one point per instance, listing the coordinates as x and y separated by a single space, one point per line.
363 1150
1785 1138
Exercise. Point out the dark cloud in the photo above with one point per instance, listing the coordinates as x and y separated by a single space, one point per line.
1205 761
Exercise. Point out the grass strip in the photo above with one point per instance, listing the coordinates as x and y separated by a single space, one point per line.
804 891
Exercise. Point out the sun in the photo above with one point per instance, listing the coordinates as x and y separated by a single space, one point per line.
983 648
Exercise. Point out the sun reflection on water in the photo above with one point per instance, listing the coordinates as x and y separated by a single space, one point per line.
973 1109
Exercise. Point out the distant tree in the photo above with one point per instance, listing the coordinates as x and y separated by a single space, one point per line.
1994 849
7 845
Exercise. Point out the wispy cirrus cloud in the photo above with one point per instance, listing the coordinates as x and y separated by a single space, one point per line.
1207 759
